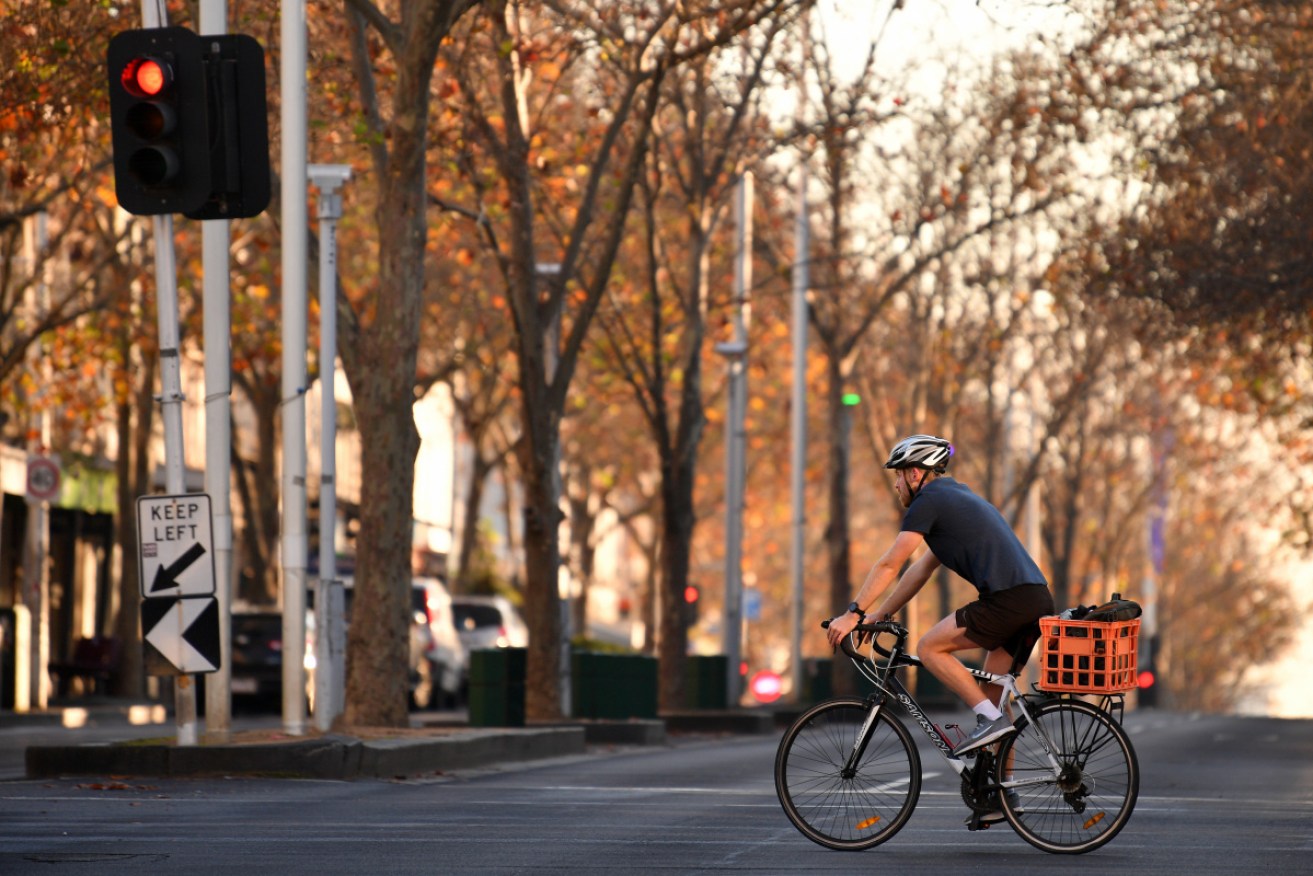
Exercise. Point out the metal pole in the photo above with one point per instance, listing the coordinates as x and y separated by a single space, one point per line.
171 398
798 426
34 692
330 650
166 292
215 240
735 469
295 545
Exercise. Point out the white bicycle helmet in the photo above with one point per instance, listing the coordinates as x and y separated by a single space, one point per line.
921 451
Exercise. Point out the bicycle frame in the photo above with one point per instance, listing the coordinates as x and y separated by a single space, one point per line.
888 685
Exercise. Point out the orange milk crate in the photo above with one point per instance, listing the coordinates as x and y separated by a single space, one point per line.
1087 657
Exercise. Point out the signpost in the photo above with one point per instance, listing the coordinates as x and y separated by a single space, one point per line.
179 612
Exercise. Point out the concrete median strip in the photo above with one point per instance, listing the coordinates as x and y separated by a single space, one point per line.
333 756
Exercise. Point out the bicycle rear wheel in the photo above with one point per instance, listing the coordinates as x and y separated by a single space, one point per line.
839 806
1097 780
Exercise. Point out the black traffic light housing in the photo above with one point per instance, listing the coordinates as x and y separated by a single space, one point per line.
158 120
189 123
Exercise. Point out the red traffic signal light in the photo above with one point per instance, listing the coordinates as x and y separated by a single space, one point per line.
159 120
146 77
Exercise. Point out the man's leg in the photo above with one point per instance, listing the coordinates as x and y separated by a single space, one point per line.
998 662
936 650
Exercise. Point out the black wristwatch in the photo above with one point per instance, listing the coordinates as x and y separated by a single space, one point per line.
856 609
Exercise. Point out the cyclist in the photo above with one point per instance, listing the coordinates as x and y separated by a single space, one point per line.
968 535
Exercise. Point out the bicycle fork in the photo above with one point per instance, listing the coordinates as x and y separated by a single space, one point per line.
863 739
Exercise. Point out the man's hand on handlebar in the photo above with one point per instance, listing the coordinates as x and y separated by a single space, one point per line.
841 626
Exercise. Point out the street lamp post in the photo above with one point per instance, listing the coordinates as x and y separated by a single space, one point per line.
736 352
330 626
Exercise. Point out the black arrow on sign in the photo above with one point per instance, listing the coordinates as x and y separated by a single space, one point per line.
203 634
167 578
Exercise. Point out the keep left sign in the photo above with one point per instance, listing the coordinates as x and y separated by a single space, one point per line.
175 542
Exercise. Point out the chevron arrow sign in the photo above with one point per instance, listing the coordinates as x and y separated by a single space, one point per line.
181 635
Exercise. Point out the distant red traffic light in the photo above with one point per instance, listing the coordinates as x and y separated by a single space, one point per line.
1144 680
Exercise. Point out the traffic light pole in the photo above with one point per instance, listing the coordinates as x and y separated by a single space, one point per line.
295 544
215 240
166 305
166 293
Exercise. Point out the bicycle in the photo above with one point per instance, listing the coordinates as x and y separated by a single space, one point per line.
848 773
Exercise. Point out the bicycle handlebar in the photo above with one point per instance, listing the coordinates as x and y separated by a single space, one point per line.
874 630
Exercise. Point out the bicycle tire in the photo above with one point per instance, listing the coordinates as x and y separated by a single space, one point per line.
847 812
1092 799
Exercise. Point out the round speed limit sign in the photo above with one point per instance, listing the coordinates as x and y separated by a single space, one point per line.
42 479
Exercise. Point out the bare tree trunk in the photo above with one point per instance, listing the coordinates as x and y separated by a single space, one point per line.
259 537
583 524
378 647
677 520
542 521
469 534
133 470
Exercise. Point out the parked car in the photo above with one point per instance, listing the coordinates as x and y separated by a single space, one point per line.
438 662
256 666
446 658
488 622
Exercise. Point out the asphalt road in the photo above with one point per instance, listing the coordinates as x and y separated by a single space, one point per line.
1218 795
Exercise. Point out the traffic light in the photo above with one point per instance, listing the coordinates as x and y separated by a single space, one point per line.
158 120
1146 679
189 123
692 600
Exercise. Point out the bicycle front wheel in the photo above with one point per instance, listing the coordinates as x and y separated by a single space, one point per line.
1072 775
839 792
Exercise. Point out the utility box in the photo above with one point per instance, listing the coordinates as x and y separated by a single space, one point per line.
497 678
706 682
817 684
613 686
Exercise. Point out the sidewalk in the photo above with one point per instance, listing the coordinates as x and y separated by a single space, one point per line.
138 739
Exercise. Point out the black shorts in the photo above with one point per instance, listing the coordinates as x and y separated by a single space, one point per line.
1007 618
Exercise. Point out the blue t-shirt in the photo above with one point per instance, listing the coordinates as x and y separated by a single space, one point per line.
969 536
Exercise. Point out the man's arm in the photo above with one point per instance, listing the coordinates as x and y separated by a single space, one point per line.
879 578
909 585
